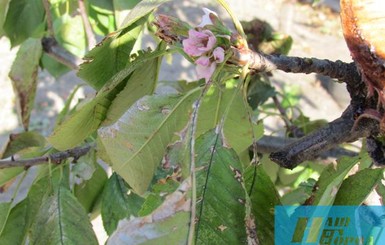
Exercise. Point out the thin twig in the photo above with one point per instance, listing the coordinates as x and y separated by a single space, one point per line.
54 50
56 158
91 40
47 7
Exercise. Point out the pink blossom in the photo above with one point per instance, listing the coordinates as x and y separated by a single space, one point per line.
219 54
206 19
205 68
199 42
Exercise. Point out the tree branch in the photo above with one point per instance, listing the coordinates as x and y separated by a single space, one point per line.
54 50
342 71
47 7
55 158
91 40
341 130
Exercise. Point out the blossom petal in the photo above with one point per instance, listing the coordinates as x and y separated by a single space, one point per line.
206 19
203 61
206 71
219 54
199 42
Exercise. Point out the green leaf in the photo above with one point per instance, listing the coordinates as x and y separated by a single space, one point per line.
237 129
8 174
122 8
168 224
88 118
118 202
89 191
141 9
15 229
135 146
25 18
331 179
357 187
21 141
264 197
23 75
141 82
62 220
3 13
5 208
110 56
69 32
220 192
54 67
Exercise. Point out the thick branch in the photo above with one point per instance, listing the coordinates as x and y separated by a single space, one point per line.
341 130
342 71
269 144
56 158
54 50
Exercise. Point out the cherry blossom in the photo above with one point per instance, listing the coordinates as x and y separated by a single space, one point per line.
199 42
206 66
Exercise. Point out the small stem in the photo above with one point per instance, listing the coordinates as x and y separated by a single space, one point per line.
54 50
91 40
47 7
288 123
56 158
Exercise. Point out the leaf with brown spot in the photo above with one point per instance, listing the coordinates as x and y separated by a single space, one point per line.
23 75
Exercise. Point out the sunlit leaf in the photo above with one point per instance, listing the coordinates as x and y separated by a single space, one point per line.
237 129
362 183
168 224
331 179
18 142
54 67
137 142
69 32
62 220
141 9
221 196
25 18
141 82
122 8
110 56
264 197
118 203
8 174
23 75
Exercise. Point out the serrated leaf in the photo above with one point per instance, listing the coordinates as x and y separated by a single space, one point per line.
122 8
118 203
168 224
69 32
3 13
62 220
141 9
237 127
87 119
221 196
23 75
264 197
15 229
331 179
135 146
25 19
357 187
89 191
141 82
110 56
